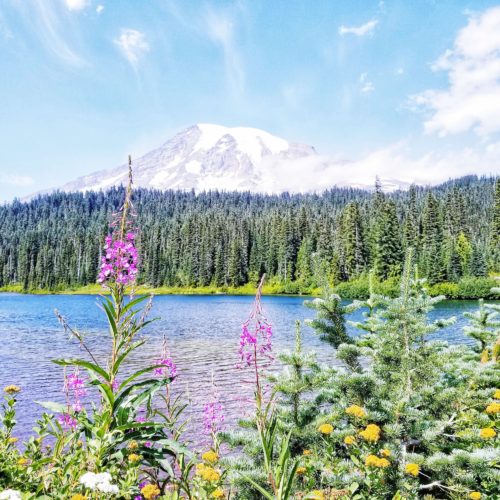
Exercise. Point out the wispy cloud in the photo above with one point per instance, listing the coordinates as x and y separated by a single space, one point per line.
362 30
99 8
77 4
46 21
472 99
366 86
221 28
132 44
17 180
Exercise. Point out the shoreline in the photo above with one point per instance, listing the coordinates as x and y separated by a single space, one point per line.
344 290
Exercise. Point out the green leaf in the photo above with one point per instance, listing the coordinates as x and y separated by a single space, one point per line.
85 364
264 492
135 402
138 373
54 407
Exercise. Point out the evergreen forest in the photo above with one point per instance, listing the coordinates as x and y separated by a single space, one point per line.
229 239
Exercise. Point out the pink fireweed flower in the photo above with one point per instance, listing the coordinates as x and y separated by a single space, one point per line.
67 421
168 368
213 417
119 260
213 413
256 335
74 388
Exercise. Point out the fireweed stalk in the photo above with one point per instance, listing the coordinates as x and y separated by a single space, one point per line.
255 349
74 390
115 423
255 353
213 417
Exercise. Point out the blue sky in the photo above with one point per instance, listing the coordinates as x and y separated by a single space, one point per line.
391 86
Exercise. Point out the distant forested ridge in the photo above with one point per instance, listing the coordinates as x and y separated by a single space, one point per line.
216 238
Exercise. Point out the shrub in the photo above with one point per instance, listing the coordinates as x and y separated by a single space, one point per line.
476 288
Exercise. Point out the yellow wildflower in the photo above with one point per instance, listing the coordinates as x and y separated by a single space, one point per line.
356 411
475 495
218 493
150 491
325 429
349 440
12 440
487 433
133 445
11 389
79 443
134 458
385 452
207 473
306 453
22 461
496 395
374 461
78 496
371 461
210 457
300 471
371 433
412 469
316 495
493 408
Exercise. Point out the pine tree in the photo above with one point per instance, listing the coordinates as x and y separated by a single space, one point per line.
464 251
295 386
477 264
304 272
329 323
411 228
495 230
388 250
431 259
354 248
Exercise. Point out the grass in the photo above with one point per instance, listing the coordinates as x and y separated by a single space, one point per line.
95 289
467 288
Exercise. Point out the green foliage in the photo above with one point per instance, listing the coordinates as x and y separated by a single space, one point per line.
473 288
215 240
329 323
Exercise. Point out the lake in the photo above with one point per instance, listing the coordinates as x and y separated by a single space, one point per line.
202 332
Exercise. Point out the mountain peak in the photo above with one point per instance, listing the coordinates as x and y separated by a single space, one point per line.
201 157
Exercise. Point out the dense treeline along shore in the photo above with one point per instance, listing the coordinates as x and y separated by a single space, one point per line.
218 242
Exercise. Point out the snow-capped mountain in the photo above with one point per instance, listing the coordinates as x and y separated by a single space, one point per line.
206 157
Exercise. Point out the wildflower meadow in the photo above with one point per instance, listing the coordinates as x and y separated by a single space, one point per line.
397 414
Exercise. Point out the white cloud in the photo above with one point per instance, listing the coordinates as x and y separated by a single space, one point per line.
77 4
366 85
472 99
132 44
364 29
17 180
99 8
395 165
50 28
221 29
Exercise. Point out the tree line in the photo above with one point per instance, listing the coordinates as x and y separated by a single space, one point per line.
232 238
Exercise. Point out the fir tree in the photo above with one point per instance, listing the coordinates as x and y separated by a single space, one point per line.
330 323
388 250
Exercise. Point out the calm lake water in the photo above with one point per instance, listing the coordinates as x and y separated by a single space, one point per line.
202 331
